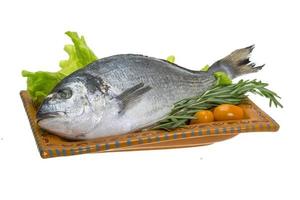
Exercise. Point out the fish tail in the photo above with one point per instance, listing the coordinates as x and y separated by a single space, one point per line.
236 64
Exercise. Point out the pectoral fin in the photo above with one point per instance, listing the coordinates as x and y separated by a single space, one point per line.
130 96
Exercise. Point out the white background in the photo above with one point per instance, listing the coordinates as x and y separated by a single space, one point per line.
249 166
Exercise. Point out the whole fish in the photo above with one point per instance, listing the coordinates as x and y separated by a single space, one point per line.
124 93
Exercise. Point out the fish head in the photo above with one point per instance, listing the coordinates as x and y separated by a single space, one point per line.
70 110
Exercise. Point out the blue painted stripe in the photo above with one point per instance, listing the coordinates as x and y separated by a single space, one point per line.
238 129
64 152
183 135
175 135
224 130
57 152
79 149
72 151
128 142
97 147
166 136
261 126
117 143
231 130
193 132
208 131
157 138
106 146
216 130
50 153
88 149
199 132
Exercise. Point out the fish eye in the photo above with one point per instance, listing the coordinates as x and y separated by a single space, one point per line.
65 93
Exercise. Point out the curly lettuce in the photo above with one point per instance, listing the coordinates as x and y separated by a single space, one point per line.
222 79
41 83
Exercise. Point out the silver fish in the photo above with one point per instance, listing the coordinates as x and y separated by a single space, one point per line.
124 93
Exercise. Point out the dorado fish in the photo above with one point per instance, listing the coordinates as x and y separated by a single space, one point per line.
124 93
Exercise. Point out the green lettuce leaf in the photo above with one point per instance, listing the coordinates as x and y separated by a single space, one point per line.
205 68
222 78
41 83
171 59
80 54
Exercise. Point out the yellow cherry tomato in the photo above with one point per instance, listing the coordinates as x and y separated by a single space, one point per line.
203 116
228 112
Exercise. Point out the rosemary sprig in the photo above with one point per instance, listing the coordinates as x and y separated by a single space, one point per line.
185 109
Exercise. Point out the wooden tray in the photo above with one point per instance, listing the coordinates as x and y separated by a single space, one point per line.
193 135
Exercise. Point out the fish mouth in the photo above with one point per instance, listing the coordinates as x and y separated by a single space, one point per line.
48 115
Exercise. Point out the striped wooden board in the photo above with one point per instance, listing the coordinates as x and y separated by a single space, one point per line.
193 135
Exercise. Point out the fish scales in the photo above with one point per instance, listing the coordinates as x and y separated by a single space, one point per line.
124 93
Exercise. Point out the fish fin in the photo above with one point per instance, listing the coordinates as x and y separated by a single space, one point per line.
131 95
236 64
